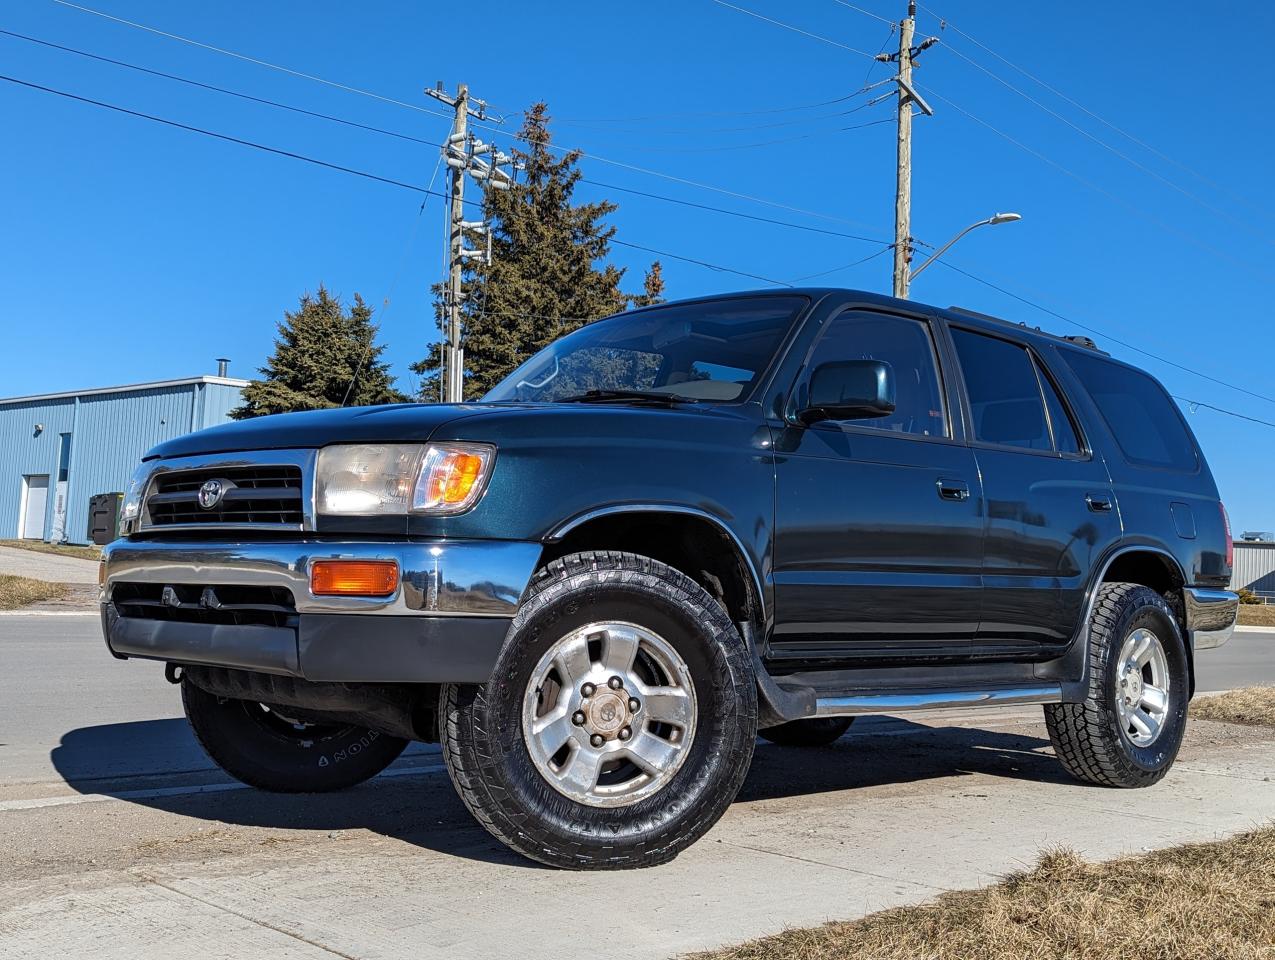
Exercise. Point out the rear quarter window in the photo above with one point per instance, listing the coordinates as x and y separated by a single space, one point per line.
1143 419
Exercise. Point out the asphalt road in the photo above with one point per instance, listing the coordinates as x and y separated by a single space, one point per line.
120 839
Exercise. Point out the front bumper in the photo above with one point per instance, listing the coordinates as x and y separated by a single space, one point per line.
1210 616
446 622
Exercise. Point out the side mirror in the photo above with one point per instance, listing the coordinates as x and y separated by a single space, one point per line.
849 390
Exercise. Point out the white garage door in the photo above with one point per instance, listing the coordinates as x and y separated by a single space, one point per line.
36 498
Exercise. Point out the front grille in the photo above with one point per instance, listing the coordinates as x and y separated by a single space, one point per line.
201 603
251 495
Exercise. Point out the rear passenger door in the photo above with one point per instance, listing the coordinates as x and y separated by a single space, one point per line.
878 537
1049 508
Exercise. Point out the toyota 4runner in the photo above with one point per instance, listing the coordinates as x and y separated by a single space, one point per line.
672 531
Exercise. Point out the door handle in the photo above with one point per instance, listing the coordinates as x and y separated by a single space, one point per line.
953 490
1098 504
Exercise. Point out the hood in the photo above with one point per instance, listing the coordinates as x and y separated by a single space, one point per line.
396 423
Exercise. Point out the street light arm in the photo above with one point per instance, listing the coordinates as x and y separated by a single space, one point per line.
990 221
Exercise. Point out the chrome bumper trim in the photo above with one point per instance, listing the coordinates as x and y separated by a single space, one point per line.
449 577
902 702
1210 616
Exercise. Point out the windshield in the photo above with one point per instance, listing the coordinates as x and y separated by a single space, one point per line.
713 351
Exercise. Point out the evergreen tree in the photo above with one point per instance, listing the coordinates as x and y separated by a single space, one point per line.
324 356
652 287
548 274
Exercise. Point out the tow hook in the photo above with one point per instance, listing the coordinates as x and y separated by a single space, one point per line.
173 673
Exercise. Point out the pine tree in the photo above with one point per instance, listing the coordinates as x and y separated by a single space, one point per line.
652 287
321 349
548 274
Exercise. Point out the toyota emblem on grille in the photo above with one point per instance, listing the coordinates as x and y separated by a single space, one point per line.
211 492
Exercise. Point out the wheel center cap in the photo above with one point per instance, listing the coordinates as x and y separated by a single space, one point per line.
608 712
1133 692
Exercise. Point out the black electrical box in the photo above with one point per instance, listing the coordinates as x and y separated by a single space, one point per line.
104 517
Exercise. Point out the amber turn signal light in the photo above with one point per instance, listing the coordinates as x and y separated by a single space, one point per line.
353 578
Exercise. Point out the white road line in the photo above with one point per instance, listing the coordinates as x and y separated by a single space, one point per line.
156 793
50 613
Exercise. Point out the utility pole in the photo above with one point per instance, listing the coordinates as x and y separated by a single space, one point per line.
903 175
462 152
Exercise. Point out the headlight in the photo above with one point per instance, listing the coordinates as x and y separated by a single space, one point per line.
378 479
136 489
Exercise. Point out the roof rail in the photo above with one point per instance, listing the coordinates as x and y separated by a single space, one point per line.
1079 341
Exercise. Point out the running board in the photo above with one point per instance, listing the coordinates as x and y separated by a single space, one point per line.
898 701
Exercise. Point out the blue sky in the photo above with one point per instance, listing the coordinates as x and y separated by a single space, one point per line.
132 251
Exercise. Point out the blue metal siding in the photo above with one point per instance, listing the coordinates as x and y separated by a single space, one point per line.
110 433
23 452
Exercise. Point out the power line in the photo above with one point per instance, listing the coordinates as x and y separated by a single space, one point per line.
944 23
220 136
767 143
845 266
866 13
628 166
261 63
350 170
706 113
208 86
1102 143
1230 413
430 143
1116 198
1102 333
780 23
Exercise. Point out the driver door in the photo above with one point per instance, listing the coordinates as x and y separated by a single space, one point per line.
878 522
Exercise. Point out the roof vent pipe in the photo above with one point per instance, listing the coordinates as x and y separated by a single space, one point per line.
223 365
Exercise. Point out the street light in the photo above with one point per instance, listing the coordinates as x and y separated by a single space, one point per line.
989 222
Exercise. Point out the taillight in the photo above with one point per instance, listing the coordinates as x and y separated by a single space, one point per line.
1230 544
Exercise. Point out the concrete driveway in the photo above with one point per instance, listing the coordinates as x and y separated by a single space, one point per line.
120 841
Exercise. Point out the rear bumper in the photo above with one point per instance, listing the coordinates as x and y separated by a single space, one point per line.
1210 616
446 623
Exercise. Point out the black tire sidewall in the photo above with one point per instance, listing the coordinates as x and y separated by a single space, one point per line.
1145 608
250 752
709 776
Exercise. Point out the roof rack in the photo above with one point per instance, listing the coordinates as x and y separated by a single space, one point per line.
1079 341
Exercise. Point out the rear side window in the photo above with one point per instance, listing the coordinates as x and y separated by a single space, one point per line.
1143 419
1005 398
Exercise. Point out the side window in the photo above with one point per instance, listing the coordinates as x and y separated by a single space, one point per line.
907 347
1005 400
1143 419
1065 439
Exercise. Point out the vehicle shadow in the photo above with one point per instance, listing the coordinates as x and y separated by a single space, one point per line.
414 801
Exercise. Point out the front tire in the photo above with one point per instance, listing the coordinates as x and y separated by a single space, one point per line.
618 724
264 748
1127 731
808 732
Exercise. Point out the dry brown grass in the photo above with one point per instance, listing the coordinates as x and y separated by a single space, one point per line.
1210 901
17 592
1254 706
60 549
1257 615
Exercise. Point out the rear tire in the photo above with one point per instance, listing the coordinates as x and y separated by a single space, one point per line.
264 748
810 732
1127 731
655 742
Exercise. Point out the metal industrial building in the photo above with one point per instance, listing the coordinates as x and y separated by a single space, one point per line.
1254 567
59 449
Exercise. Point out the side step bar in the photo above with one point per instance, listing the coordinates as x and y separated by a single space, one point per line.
899 701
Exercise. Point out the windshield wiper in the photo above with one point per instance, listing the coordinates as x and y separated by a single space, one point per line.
610 396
